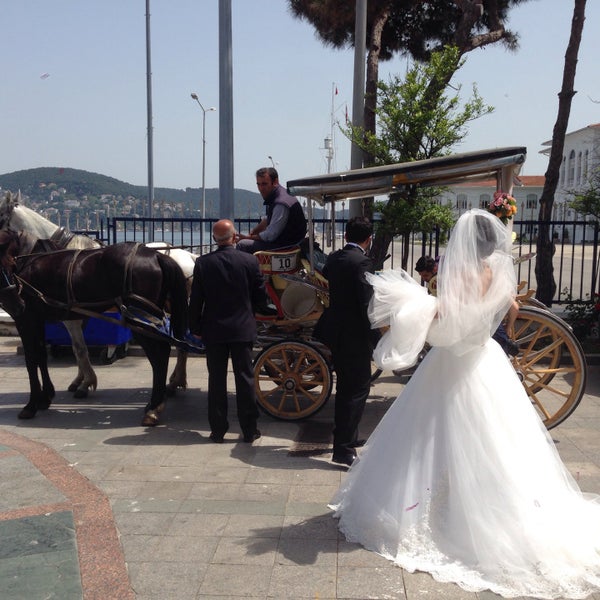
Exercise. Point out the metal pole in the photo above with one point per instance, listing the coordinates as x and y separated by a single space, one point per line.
203 164
149 112
226 112
204 111
358 94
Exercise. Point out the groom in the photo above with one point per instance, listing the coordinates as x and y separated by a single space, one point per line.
346 329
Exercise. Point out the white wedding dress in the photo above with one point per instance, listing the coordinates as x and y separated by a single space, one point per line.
461 479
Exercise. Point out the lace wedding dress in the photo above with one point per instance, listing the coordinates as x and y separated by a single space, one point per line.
460 478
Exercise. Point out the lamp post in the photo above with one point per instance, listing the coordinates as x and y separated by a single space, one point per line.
204 111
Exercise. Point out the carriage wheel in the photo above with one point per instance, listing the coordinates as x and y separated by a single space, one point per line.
550 363
292 380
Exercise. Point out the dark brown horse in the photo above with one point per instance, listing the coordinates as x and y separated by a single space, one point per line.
55 285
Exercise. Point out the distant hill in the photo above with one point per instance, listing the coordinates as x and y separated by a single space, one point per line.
52 186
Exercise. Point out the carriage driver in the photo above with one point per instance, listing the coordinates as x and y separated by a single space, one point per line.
285 223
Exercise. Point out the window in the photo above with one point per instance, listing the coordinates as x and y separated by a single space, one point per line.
585 165
531 201
461 201
579 169
484 200
571 169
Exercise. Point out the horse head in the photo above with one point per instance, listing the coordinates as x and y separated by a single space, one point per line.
7 207
18 217
10 293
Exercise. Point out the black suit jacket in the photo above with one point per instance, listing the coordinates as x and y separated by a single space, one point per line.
345 326
226 290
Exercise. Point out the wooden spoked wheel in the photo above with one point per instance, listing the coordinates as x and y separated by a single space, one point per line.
551 364
292 380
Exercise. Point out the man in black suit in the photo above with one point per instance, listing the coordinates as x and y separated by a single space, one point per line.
346 329
227 289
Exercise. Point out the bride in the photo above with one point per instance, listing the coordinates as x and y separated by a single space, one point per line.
460 478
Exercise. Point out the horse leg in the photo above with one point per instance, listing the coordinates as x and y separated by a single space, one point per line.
86 377
158 353
31 331
48 391
178 378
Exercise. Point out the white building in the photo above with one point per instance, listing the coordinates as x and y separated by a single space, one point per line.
581 159
527 190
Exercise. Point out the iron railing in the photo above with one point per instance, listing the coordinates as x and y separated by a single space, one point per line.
575 258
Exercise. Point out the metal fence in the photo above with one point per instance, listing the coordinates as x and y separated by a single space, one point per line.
575 258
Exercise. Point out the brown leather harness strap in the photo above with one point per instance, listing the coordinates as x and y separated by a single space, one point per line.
70 292
74 306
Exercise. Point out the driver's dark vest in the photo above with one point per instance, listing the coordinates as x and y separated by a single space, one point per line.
295 228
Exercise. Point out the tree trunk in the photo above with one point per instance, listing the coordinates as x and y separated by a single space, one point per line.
372 76
544 270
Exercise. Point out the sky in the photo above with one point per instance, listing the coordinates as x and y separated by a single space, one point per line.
74 88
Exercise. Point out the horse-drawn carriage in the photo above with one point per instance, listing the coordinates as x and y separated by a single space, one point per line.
293 371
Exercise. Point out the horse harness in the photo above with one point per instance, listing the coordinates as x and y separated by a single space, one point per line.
71 305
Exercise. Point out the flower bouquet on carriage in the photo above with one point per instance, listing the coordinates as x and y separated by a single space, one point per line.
504 206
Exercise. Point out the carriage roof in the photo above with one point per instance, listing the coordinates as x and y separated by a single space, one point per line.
445 170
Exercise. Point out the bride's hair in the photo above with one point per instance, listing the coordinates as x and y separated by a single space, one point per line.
486 240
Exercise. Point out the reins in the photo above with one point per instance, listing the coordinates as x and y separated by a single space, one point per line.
72 305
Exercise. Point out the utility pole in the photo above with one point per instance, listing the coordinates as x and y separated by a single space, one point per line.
150 128
225 112
358 94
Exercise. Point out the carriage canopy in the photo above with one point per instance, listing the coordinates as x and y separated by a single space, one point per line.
500 163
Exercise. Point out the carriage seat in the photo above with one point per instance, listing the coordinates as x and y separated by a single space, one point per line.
279 261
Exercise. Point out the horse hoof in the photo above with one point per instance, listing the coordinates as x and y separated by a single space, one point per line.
171 390
44 405
150 419
72 388
80 394
27 413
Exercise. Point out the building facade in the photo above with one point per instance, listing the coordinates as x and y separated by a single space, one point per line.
581 160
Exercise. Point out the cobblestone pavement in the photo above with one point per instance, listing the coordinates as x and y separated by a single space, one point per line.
93 505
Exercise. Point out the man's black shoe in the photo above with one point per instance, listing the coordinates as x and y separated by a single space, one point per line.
216 438
266 310
357 444
252 437
344 458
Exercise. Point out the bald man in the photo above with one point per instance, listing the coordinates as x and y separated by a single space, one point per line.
227 289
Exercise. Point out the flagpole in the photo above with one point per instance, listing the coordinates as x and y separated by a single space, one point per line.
329 146
333 94
330 150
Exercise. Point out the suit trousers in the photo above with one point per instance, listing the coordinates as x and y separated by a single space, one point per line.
217 356
353 383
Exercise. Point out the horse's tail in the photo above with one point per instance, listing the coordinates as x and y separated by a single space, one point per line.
175 286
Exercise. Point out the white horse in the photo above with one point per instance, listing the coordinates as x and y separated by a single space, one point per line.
15 216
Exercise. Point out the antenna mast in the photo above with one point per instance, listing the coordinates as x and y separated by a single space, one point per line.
328 143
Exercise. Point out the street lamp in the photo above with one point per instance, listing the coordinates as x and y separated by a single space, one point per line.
204 111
